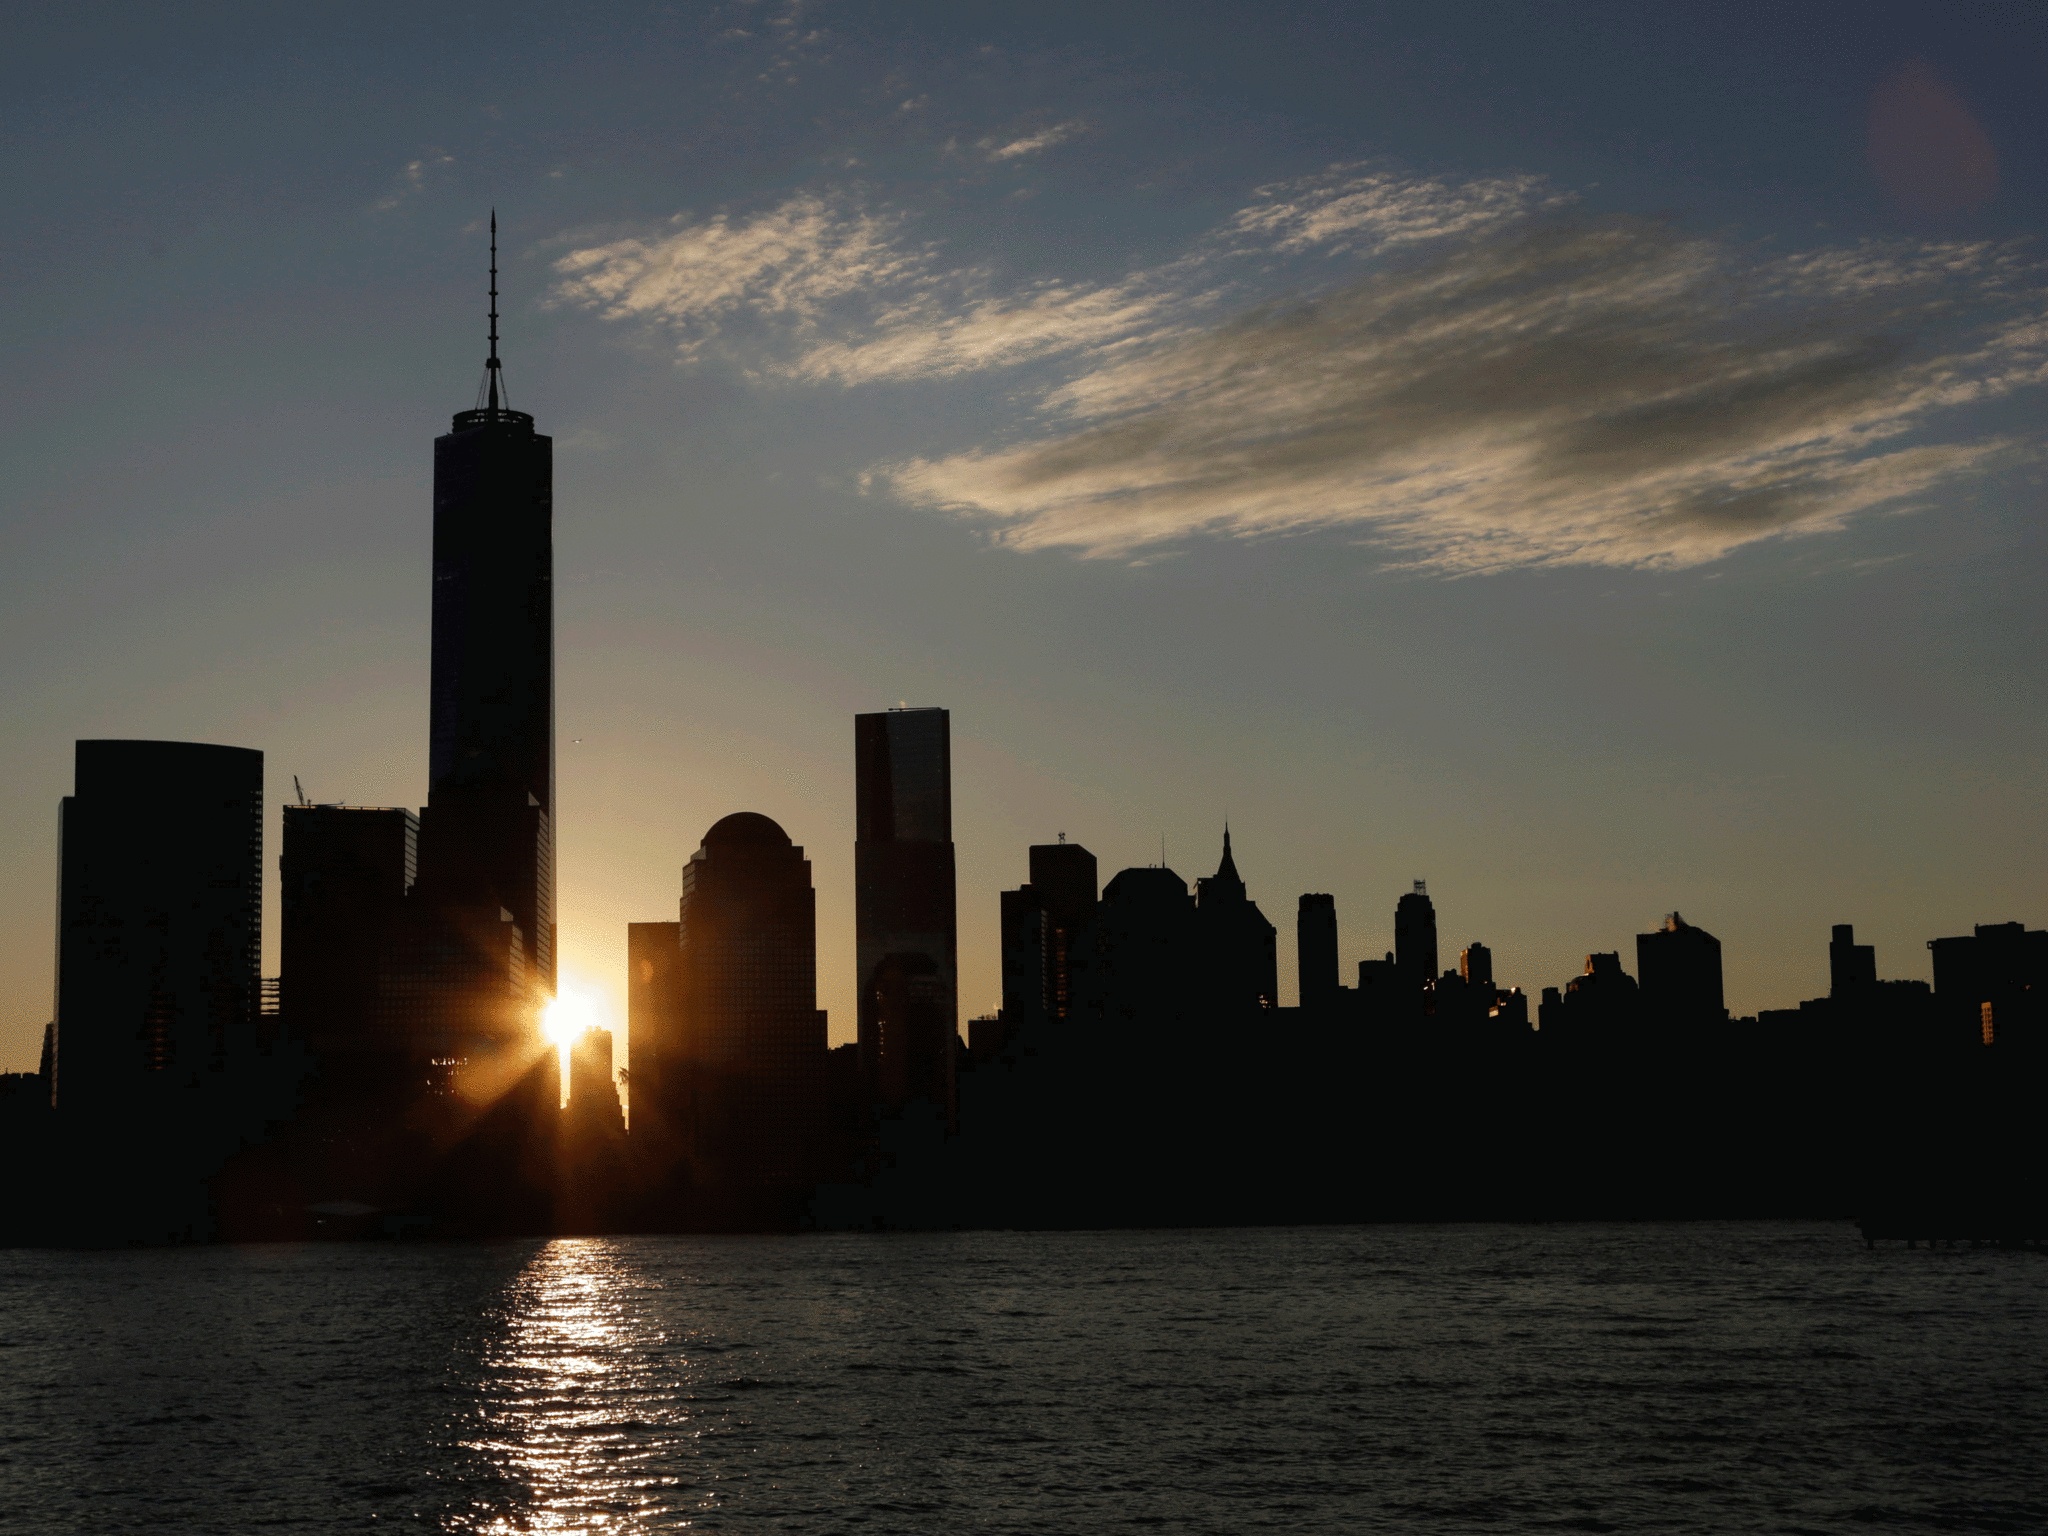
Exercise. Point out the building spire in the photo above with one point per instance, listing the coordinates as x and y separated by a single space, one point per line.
1227 870
491 364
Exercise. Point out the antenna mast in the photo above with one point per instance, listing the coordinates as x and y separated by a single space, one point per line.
491 364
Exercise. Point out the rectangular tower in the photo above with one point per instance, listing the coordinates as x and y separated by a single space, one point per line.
653 1044
487 835
905 936
1064 876
159 918
1315 951
1852 967
345 873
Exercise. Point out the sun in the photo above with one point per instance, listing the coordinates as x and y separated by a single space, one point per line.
568 1016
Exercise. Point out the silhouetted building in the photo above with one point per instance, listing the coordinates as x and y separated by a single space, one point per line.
1679 970
1315 951
914 1044
987 1034
1511 1009
1025 933
1239 947
594 1109
904 916
159 918
469 962
1415 936
1475 966
1993 982
1385 994
1140 962
483 907
1040 922
654 955
1851 966
728 1022
1595 1005
345 873
1063 876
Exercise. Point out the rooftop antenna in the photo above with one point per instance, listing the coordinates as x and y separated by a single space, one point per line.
301 793
492 367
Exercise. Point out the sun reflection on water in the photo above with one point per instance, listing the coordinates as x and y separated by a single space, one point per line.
583 1411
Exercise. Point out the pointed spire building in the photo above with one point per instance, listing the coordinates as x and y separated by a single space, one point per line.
1241 945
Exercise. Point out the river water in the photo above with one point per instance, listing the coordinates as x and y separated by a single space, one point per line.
1684 1377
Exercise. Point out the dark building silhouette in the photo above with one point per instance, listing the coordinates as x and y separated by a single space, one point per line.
1240 948
1994 982
594 1110
1039 924
1186 973
1851 966
1063 877
1475 966
159 919
653 960
345 872
1026 937
1140 961
905 937
471 962
728 1043
1595 1006
914 1050
1315 951
1415 936
1679 972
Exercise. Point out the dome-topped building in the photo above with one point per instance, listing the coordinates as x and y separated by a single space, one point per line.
746 829
728 1049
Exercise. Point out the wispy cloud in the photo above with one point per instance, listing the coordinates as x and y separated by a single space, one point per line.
1361 208
1484 377
697 277
412 179
827 290
1031 144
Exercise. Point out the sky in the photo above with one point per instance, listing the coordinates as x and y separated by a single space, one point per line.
1589 458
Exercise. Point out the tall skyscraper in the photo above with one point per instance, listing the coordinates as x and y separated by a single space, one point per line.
1415 936
159 918
1475 967
1315 950
728 1020
484 905
905 934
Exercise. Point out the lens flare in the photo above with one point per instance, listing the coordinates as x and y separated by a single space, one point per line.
567 1016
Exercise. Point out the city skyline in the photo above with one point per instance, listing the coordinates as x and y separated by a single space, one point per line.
1793 733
